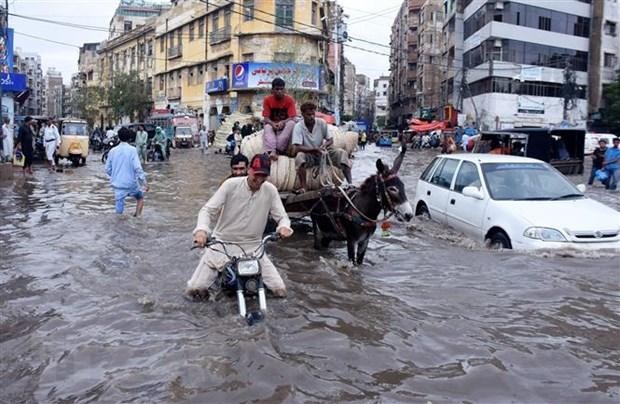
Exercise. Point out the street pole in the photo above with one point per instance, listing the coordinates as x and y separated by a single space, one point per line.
337 67
5 24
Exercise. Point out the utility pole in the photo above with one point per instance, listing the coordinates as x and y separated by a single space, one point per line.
5 25
337 62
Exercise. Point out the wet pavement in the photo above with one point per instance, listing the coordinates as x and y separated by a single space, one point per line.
91 306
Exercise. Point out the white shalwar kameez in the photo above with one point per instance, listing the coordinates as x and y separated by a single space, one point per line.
51 139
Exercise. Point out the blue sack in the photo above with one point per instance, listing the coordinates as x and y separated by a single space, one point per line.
601 175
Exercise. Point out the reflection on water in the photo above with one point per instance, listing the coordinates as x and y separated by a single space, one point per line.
91 307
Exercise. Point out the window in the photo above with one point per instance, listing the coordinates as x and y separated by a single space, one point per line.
227 17
315 11
248 10
443 175
215 21
149 49
285 11
171 39
128 26
609 28
191 31
426 175
162 44
201 28
180 37
609 60
498 18
544 23
467 177
248 57
161 83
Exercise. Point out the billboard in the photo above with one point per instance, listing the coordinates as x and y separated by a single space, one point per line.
6 51
217 86
260 75
13 82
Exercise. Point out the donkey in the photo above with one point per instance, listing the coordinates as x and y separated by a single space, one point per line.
352 215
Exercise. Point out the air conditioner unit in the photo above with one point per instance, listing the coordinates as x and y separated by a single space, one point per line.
499 5
497 43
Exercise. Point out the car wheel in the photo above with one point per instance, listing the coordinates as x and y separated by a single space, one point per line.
498 240
423 212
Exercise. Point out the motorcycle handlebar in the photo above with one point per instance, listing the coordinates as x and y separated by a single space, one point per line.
212 240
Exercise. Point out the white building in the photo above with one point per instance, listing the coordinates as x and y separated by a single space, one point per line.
30 64
53 93
515 54
132 14
381 90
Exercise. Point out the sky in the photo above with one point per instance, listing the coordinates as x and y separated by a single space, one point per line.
368 20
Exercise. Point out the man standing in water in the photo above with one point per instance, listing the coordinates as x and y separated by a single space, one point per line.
51 141
238 213
7 140
142 137
24 143
126 175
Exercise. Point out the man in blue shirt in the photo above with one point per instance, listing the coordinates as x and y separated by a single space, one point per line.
126 175
611 163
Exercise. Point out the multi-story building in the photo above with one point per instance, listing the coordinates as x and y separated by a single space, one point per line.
430 47
380 88
132 14
88 69
30 64
404 62
67 103
604 49
520 57
348 89
131 53
452 56
335 28
232 51
364 99
53 95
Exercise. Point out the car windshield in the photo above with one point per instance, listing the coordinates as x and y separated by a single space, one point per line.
184 131
74 129
527 182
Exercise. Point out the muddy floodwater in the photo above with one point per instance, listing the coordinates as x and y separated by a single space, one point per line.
91 306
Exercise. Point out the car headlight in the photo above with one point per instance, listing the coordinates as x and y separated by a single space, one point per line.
544 234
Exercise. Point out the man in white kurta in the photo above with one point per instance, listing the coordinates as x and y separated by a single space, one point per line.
238 213
51 140
7 140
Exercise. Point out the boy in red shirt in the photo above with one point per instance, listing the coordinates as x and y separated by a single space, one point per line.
279 118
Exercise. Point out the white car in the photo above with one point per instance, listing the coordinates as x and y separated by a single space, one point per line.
514 202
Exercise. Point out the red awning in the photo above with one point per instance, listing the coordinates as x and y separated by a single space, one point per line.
426 127
330 119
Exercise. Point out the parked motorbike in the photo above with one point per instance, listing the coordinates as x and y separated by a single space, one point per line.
96 141
242 276
107 146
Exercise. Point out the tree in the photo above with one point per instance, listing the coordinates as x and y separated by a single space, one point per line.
87 103
129 96
611 97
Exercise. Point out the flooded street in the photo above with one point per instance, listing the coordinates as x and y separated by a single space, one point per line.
91 306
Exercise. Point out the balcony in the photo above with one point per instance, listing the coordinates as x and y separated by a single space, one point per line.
174 93
220 35
175 52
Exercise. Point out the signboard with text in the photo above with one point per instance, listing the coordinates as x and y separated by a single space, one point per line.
12 82
217 86
260 75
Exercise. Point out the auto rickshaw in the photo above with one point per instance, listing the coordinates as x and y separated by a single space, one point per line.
74 141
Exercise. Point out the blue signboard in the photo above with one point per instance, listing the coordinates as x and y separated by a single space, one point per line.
217 86
12 82
260 75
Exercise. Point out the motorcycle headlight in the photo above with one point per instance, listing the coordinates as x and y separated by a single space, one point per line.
248 267
544 234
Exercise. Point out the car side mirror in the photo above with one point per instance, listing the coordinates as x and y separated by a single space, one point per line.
473 192
582 188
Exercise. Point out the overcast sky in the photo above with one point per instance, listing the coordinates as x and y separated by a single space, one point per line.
368 19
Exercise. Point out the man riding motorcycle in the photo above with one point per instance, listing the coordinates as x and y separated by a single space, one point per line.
237 213
161 141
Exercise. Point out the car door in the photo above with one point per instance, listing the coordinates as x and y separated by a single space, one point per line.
465 213
438 191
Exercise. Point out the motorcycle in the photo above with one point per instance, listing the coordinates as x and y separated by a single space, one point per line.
107 146
155 153
242 275
96 141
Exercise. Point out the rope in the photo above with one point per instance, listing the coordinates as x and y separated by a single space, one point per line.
385 218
